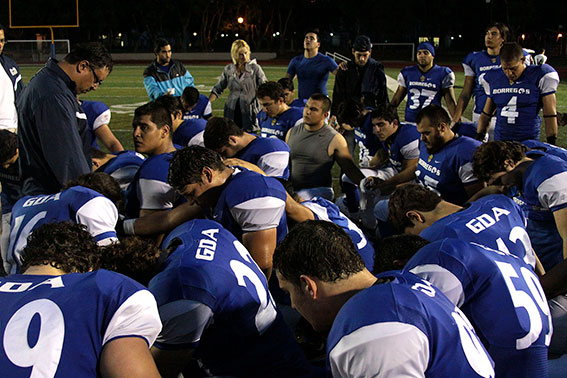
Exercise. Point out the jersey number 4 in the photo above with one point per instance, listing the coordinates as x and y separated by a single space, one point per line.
510 110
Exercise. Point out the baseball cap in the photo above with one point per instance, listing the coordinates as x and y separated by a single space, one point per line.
362 43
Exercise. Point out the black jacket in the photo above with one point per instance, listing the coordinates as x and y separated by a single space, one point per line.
356 82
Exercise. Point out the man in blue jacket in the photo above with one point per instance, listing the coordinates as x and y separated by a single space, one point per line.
165 75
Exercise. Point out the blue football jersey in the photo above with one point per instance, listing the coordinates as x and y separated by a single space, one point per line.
495 221
57 326
202 109
424 88
477 64
76 204
449 170
328 211
546 147
190 132
270 154
466 129
501 296
213 297
277 127
252 202
97 114
298 103
149 190
542 193
518 104
404 327
123 167
402 145
368 143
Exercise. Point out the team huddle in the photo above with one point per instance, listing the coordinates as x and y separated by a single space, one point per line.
219 248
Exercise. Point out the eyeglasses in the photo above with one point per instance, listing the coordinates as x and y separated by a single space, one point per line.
97 81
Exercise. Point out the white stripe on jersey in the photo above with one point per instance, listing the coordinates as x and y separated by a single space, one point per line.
446 281
389 349
155 194
183 321
274 163
197 140
468 70
258 214
410 150
401 80
552 192
448 80
137 316
466 173
102 119
99 215
548 83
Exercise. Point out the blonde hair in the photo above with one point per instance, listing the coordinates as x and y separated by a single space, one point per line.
237 45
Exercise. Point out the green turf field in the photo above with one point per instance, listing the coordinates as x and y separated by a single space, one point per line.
123 91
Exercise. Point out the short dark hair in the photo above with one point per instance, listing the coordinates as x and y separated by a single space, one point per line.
286 83
8 145
94 52
386 112
218 130
190 96
324 99
435 114
101 183
158 115
410 197
171 103
160 42
133 256
63 245
187 165
397 247
319 249
314 31
270 89
511 51
489 158
502 28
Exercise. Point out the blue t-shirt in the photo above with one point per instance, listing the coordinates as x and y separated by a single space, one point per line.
269 154
518 104
202 109
477 64
487 285
213 297
448 171
251 202
97 114
328 211
312 73
150 190
190 132
76 204
277 127
57 326
401 328
424 88
402 145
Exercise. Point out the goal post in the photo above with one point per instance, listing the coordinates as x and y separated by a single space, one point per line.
36 50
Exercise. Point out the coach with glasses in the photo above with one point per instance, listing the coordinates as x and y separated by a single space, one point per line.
53 134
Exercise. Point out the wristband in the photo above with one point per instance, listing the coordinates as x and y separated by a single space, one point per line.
486 114
550 116
552 139
128 226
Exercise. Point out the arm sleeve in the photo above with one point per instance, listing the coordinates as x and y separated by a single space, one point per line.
485 85
443 279
64 153
151 87
291 68
260 76
548 83
449 79
100 216
188 78
220 86
466 173
468 70
389 349
401 80
155 195
552 193
102 119
274 163
208 110
259 214
411 150
137 317
183 323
